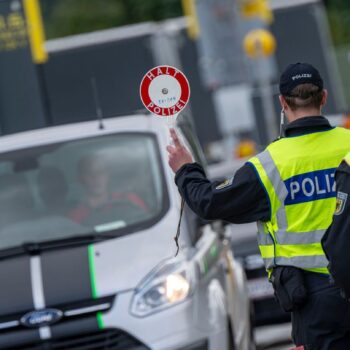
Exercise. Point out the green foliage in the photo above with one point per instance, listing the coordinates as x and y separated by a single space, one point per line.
67 17
339 20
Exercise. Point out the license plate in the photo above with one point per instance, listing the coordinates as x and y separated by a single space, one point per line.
260 288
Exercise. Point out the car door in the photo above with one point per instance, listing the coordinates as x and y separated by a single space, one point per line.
216 239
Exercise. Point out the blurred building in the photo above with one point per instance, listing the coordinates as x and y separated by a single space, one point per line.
225 101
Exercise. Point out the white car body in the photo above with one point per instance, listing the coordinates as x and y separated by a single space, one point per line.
218 294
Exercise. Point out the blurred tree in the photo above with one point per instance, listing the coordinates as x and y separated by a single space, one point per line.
339 19
67 17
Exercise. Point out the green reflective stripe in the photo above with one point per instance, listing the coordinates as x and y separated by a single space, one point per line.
94 294
92 269
214 250
100 320
314 262
284 237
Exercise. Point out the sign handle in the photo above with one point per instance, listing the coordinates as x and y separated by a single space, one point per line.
171 120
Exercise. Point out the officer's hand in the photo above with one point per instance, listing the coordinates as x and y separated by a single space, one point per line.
178 153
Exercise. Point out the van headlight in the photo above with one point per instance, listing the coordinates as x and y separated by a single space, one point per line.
168 284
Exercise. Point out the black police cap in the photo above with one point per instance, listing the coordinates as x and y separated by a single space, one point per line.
297 74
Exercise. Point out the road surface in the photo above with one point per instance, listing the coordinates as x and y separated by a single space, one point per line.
275 337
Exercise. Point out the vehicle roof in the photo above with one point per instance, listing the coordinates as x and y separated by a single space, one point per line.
281 4
105 36
49 135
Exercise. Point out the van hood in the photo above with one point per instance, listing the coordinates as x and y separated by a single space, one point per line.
71 279
77 278
123 263
104 268
85 272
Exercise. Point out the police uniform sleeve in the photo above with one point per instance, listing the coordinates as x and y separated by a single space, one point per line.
336 241
240 199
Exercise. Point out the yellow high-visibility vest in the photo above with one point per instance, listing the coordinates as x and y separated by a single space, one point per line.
347 158
298 176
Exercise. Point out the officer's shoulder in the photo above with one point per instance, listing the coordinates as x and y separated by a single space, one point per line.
277 143
344 167
273 146
278 140
342 131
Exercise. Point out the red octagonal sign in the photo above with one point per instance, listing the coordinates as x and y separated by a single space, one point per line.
165 91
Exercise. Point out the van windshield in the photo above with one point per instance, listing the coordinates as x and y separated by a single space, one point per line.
109 183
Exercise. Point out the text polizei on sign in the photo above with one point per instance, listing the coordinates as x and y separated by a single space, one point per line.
165 91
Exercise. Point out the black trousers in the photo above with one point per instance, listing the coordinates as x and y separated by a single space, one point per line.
323 323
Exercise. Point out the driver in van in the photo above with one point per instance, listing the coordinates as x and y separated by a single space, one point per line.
101 204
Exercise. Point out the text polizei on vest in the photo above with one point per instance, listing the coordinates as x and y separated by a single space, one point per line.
311 186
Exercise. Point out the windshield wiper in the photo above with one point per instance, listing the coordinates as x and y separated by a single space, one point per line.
35 248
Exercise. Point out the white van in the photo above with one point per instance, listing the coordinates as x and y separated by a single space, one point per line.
87 221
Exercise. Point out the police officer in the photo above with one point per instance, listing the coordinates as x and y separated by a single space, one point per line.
336 241
289 189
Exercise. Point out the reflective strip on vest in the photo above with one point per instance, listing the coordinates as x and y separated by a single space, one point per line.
274 255
292 250
265 239
308 262
284 237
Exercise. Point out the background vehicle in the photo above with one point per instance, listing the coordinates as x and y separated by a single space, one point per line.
97 270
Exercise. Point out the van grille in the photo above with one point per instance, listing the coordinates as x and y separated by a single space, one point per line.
103 340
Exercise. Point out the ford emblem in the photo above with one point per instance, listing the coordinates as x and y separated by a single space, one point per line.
39 318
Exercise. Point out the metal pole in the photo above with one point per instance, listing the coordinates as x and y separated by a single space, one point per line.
268 107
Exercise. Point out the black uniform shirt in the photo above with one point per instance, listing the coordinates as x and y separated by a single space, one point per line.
243 198
336 241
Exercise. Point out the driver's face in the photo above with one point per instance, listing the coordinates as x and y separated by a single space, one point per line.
95 179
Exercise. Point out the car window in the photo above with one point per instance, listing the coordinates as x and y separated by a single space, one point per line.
96 184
